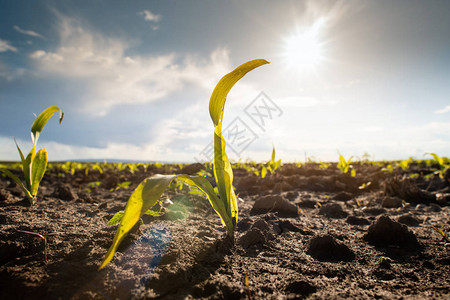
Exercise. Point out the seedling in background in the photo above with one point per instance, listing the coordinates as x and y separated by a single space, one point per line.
345 165
323 165
148 192
443 163
35 164
271 165
123 185
404 164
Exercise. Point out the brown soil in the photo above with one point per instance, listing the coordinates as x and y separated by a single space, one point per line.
302 233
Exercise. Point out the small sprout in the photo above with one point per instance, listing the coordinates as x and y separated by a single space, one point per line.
443 163
42 237
324 165
123 185
247 286
365 185
271 165
345 165
34 164
443 233
404 164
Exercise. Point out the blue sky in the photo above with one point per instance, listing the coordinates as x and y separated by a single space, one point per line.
134 78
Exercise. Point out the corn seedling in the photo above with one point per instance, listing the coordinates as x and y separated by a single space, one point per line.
123 185
271 165
443 163
404 164
148 192
35 164
323 165
345 165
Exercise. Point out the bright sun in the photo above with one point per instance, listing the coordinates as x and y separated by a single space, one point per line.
304 50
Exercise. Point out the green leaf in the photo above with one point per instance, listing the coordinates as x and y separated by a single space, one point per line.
220 92
223 172
115 219
38 168
17 180
42 119
154 213
439 160
144 196
263 172
26 164
273 155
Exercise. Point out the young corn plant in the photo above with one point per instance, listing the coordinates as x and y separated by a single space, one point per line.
443 162
148 192
271 165
345 165
35 164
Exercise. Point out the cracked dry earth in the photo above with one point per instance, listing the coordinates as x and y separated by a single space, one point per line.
303 232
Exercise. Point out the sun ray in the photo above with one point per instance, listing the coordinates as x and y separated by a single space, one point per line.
304 50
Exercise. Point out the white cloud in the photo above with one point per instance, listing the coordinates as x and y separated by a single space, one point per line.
150 17
6 46
113 78
443 110
28 32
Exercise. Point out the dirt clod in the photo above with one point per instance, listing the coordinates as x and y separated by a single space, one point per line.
326 248
386 232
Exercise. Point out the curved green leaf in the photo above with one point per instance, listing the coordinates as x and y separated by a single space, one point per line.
38 168
42 119
144 196
220 92
223 172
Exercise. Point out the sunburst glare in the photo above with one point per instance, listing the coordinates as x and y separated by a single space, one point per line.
304 49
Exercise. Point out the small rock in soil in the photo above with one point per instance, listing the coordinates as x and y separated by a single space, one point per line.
343 196
64 192
253 237
4 195
385 232
408 220
244 224
434 207
326 248
353 220
443 198
287 226
333 210
307 204
281 187
374 211
265 228
301 288
392 202
274 203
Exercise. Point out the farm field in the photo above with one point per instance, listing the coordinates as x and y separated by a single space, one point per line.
304 231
